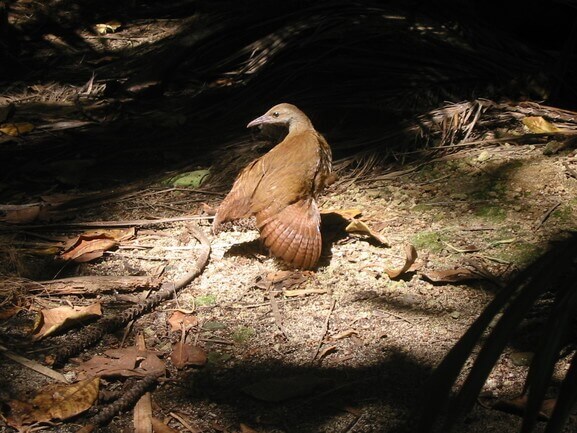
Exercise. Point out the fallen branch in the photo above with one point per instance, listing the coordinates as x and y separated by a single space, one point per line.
128 400
93 284
93 333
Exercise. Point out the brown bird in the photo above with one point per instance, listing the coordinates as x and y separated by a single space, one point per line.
280 189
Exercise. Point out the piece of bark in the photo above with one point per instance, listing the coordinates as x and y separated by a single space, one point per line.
94 284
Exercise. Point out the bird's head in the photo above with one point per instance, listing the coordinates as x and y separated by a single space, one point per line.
282 114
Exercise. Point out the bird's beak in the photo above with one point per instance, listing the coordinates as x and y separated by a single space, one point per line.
265 118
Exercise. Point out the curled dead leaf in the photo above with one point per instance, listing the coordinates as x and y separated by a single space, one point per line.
87 250
411 256
61 318
91 245
179 319
451 275
127 362
184 354
358 227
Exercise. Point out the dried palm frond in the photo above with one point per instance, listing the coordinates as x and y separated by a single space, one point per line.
554 271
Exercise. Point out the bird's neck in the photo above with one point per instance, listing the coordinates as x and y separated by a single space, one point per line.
299 125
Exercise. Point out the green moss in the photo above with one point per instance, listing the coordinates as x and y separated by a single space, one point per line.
491 213
243 334
490 191
205 300
521 253
564 214
213 325
430 241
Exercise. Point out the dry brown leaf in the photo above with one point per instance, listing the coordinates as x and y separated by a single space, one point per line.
125 362
21 214
88 249
54 402
60 318
539 125
278 276
160 427
451 275
91 245
208 210
16 129
411 256
184 354
142 414
118 235
179 319
282 280
358 227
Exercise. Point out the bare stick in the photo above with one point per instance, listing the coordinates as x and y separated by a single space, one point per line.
325 329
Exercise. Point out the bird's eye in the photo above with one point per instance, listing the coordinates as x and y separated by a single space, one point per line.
275 114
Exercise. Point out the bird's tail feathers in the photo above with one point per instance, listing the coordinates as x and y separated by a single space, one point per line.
293 234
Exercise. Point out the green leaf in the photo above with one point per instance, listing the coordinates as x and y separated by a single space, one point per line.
191 179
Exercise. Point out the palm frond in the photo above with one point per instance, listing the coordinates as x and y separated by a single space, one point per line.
554 271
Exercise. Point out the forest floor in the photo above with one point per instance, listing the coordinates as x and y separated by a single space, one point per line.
344 348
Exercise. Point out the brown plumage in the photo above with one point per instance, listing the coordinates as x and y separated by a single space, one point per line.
280 189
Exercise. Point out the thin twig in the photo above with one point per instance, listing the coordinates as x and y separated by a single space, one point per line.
547 214
127 223
325 329
353 424
33 365
382 313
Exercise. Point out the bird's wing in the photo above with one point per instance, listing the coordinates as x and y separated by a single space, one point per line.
293 234
237 203
286 212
